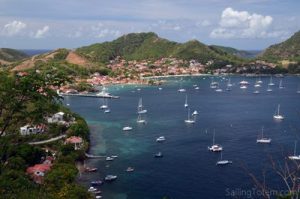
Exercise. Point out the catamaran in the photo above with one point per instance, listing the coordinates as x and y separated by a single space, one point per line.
263 140
223 162
186 104
277 115
215 147
294 157
189 120
140 107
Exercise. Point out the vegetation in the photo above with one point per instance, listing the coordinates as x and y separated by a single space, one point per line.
11 55
140 46
29 99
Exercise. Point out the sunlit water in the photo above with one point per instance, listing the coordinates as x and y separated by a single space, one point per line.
188 170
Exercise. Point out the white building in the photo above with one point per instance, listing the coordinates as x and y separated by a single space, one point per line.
29 129
57 118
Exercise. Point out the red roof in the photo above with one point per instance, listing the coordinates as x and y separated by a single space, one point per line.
38 167
74 140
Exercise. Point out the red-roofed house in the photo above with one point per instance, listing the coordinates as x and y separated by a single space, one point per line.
38 171
77 141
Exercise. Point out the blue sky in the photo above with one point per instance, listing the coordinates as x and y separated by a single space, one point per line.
243 24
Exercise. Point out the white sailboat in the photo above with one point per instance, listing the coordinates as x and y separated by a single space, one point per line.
229 84
269 89
223 162
189 120
213 84
215 147
186 103
263 140
256 91
140 120
271 82
219 89
259 81
298 91
280 85
140 107
181 90
104 105
277 115
294 157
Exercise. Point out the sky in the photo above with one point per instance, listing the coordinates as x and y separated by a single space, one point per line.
242 24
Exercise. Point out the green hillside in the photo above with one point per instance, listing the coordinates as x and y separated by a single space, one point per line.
139 46
287 50
10 55
235 52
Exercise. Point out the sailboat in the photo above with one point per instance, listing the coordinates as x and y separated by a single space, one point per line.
215 147
277 115
298 91
280 85
269 89
213 84
127 128
186 104
140 120
229 84
263 140
189 120
223 162
181 90
259 81
104 105
219 89
294 157
256 91
271 82
140 107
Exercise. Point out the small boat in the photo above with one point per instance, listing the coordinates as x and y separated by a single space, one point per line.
107 111
243 82
97 192
277 115
213 84
257 85
223 162
219 89
185 103
140 120
195 113
130 169
127 128
243 87
229 84
104 105
114 156
92 189
215 147
161 139
98 197
197 88
109 158
160 88
158 155
96 182
256 92
294 157
263 140
90 169
271 82
189 120
259 81
110 178
181 90
269 89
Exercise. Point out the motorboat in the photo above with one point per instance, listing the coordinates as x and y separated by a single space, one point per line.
96 182
161 139
110 178
127 128
158 155
130 169
109 158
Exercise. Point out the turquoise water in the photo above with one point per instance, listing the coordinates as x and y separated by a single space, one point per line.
188 170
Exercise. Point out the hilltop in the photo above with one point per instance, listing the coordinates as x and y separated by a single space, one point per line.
143 46
287 51
8 55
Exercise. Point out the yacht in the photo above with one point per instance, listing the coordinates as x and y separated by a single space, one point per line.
110 178
277 115
215 147
127 128
96 182
161 139
140 107
109 158
243 86
140 120
229 84
160 88
223 162
189 120
269 89
280 85
104 105
107 111
181 90
263 140
213 84
256 92
257 85
197 88
259 81
243 82
219 89
294 157
130 169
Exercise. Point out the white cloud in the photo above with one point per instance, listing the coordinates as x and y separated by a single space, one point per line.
108 33
40 33
242 24
176 28
13 28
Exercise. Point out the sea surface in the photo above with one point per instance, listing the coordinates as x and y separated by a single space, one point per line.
188 170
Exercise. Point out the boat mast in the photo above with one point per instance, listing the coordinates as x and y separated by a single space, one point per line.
295 148
214 136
